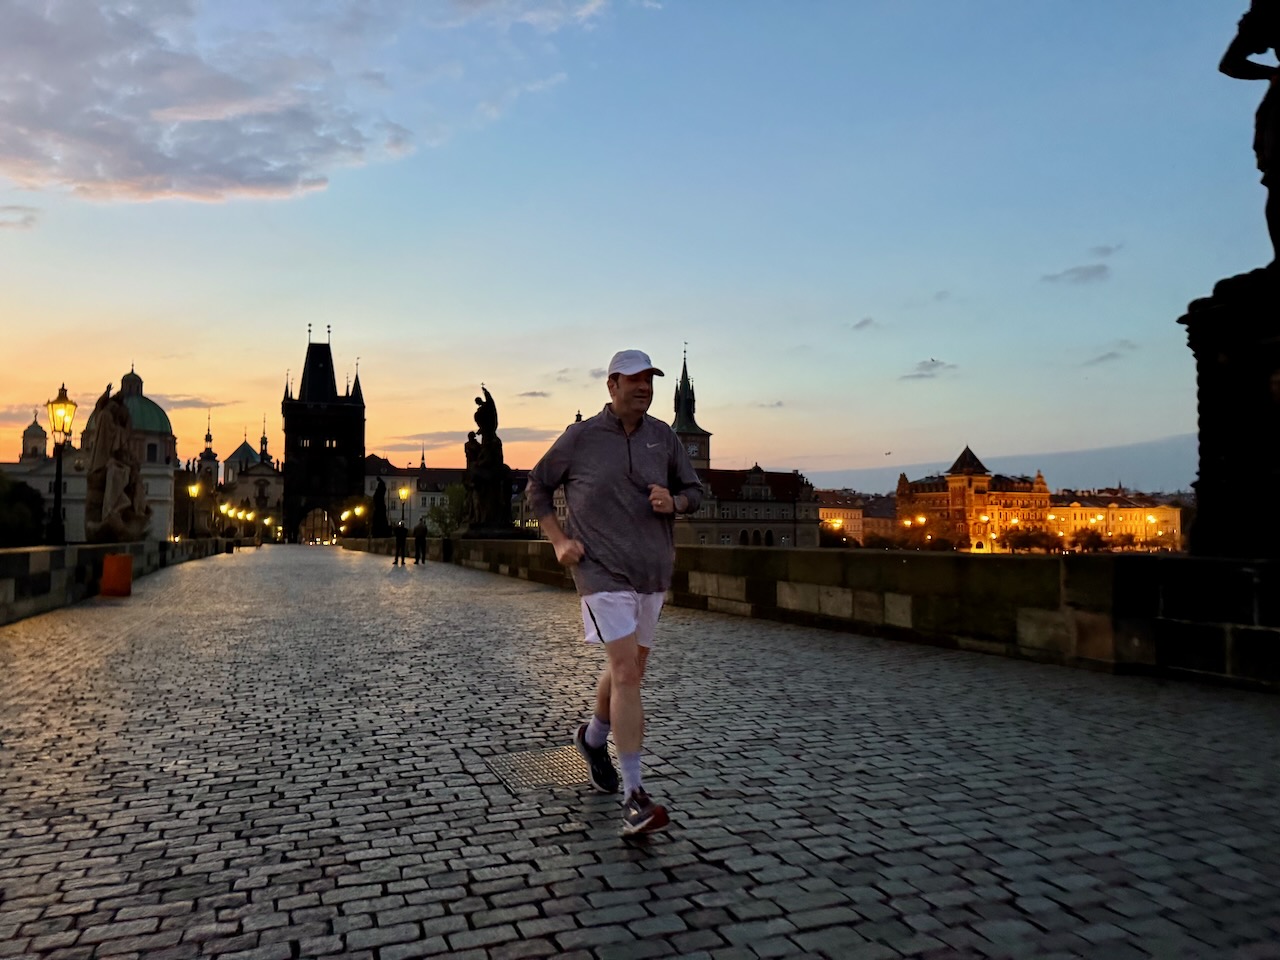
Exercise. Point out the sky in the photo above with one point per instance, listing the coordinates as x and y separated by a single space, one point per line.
882 229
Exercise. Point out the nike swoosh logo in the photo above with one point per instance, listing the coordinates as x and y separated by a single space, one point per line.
651 445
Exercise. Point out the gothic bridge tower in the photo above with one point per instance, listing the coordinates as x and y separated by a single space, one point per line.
323 442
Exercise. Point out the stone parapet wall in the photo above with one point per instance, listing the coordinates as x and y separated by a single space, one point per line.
37 579
1162 614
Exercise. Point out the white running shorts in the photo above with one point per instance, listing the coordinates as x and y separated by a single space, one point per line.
615 614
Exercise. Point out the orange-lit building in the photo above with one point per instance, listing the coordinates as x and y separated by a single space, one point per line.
974 508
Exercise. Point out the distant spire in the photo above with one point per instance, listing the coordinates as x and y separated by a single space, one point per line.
328 330
423 465
308 333
685 402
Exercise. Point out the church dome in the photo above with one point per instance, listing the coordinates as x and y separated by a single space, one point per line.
145 414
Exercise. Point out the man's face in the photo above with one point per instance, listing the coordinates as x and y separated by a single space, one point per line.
631 393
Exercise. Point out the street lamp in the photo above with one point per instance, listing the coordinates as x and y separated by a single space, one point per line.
62 410
194 490
404 498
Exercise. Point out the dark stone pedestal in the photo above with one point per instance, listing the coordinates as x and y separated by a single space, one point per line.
1235 336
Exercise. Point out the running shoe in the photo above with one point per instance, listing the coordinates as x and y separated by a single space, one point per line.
641 815
599 767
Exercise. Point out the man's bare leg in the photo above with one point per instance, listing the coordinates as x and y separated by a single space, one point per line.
603 686
626 714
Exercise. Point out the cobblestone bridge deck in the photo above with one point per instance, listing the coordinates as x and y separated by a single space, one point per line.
303 752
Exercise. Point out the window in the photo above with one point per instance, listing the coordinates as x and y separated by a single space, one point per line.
702 539
153 451
786 541
726 540
742 538
724 513
768 538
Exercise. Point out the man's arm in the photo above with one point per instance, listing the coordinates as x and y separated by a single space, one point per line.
547 475
685 493
1235 62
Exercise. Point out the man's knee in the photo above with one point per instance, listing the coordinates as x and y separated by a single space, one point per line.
625 668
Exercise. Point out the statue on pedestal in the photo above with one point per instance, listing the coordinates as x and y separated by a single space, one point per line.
488 478
115 509
1258 32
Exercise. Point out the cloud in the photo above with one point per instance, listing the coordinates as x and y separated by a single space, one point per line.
179 401
21 413
494 109
928 370
1106 250
1088 273
599 373
534 393
770 406
866 323
14 217
151 99
941 295
450 438
1117 351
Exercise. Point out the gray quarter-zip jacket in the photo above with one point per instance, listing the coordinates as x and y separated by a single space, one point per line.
606 476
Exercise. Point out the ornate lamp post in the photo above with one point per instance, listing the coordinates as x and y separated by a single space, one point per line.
194 490
62 410
404 498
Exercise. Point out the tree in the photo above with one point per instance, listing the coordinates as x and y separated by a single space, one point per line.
1088 540
448 517
21 514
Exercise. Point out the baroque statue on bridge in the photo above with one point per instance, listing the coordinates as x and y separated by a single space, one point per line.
488 478
115 509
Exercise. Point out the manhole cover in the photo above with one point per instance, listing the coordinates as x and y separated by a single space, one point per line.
557 767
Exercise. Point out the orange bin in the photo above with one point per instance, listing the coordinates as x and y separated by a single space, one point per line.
117 575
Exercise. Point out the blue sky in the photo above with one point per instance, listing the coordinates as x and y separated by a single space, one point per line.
885 228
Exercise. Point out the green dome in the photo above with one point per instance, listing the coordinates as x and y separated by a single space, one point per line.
147 415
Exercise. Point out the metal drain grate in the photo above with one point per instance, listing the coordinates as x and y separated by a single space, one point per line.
557 767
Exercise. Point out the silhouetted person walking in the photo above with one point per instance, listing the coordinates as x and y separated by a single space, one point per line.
402 538
420 543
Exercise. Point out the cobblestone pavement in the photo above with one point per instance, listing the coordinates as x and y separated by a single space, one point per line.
290 752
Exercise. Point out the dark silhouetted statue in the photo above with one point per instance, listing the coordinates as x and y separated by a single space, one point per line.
1258 32
1235 336
488 478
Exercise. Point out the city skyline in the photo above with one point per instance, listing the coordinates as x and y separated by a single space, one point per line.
884 230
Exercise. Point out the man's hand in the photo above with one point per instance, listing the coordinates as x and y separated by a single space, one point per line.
661 500
569 551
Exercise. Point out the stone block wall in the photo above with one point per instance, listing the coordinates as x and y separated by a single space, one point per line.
1166 614
36 579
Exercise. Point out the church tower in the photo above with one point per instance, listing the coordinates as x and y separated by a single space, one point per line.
697 442
207 467
323 441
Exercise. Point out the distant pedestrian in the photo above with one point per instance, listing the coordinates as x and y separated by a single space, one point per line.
625 476
402 538
420 542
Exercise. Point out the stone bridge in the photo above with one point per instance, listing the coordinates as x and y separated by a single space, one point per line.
300 751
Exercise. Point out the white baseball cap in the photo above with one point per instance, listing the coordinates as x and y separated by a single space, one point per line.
632 362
